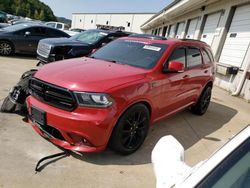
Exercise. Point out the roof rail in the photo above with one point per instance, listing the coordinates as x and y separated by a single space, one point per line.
194 40
148 36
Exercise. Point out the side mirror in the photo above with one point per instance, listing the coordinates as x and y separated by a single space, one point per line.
27 33
174 67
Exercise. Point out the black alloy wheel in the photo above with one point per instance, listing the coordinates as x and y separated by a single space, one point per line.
202 105
131 130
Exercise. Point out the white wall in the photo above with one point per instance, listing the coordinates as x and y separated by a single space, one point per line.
225 7
119 19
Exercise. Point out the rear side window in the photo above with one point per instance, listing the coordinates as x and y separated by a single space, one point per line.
56 33
209 52
59 26
178 55
193 57
206 57
38 31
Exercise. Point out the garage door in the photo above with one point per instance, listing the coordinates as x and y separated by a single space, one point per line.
210 27
172 31
238 38
192 28
180 29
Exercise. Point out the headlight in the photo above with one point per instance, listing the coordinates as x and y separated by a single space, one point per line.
93 99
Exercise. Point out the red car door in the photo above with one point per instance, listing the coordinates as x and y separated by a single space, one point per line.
194 75
172 88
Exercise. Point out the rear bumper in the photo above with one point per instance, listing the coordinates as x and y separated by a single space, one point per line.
83 130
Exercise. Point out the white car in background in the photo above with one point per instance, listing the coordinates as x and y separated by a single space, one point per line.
228 167
61 26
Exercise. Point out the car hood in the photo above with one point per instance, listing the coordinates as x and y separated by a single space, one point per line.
62 42
90 75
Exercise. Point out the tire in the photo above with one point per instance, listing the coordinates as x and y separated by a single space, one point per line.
24 81
24 84
6 48
7 105
131 130
202 105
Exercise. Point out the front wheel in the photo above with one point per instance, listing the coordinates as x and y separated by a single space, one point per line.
131 130
202 105
8 105
6 48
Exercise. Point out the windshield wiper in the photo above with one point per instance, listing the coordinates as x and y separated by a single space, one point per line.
109 60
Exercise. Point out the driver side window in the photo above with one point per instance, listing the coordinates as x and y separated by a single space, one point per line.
179 55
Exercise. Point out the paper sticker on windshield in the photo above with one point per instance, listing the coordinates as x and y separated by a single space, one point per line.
154 48
103 33
136 41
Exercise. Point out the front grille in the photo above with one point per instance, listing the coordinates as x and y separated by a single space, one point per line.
52 95
51 131
43 49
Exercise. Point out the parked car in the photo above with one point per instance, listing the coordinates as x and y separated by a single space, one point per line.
58 25
61 26
25 21
83 44
3 17
113 96
24 38
77 30
2 25
228 167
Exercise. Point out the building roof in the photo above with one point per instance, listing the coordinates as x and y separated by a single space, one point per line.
163 10
175 9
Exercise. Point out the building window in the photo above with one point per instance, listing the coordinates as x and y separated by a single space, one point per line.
91 21
128 24
80 20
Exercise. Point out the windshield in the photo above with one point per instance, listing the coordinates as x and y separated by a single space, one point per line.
130 52
15 27
51 24
90 37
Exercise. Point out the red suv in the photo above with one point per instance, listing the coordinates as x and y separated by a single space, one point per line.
113 96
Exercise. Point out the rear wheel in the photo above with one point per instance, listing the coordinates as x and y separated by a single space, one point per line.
6 48
202 105
131 130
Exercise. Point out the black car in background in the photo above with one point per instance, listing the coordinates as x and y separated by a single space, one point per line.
24 38
79 45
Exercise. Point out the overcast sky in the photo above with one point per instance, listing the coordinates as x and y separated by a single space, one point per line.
65 8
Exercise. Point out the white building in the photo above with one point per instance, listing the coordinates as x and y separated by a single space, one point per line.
125 21
223 24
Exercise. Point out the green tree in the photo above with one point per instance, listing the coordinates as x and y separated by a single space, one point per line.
42 16
28 8
36 15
